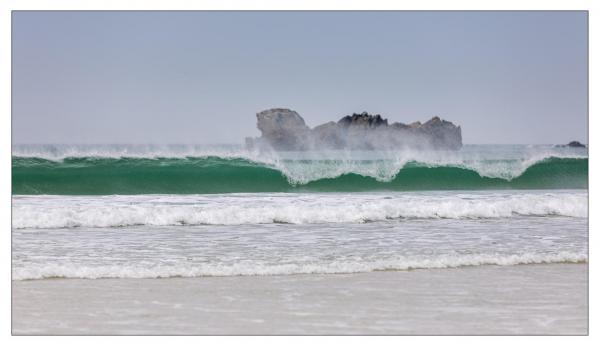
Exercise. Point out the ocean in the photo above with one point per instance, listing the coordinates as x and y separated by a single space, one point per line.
179 211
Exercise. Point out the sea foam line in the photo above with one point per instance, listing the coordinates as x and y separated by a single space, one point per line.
257 268
68 212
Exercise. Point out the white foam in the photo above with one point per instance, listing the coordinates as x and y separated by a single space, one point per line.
238 209
258 268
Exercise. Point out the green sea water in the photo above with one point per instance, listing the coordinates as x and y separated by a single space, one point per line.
213 174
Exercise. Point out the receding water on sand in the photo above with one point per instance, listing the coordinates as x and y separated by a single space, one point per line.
222 235
521 299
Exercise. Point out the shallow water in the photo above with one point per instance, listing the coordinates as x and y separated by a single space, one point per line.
258 234
520 299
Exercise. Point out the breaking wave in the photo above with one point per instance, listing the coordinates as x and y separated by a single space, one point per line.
91 175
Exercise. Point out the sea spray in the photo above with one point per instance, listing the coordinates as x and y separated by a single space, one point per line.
212 174
104 169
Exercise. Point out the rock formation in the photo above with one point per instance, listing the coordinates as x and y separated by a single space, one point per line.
572 144
284 129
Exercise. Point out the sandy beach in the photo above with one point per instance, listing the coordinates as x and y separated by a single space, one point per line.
520 299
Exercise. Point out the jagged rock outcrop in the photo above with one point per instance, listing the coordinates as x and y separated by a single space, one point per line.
284 129
363 119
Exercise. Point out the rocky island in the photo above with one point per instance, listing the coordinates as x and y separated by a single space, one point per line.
572 144
285 129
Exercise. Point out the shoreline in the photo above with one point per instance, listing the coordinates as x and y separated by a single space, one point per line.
489 299
465 266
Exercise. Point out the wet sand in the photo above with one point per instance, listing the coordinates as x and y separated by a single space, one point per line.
520 299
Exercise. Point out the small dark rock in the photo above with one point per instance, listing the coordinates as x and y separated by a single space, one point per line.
572 144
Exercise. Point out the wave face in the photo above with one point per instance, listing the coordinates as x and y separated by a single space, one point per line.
93 175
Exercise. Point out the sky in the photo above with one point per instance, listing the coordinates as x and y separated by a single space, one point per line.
201 77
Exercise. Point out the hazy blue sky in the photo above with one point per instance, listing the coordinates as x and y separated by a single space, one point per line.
200 77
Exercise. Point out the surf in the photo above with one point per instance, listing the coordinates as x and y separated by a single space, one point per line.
44 212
